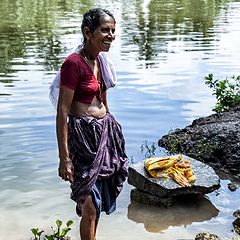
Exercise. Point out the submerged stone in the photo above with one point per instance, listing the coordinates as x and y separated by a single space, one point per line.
206 181
236 225
236 222
237 213
206 236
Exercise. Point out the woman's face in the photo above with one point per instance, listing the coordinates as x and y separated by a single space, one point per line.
101 39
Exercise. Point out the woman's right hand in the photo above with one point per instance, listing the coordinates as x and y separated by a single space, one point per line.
66 169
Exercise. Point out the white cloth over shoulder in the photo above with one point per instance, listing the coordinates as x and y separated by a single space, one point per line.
108 74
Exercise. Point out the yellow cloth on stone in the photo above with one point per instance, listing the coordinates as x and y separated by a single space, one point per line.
171 167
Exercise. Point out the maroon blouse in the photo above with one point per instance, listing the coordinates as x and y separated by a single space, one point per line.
78 76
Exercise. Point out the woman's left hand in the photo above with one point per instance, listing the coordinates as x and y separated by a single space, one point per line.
66 170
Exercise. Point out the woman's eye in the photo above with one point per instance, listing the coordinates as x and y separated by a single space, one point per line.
108 30
105 30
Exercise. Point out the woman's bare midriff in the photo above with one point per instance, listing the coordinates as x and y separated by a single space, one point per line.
95 109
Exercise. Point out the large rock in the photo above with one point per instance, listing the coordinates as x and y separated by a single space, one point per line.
206 182
214 139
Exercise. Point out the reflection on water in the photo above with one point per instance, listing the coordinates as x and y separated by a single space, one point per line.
159 24
162 52
35 30
186 211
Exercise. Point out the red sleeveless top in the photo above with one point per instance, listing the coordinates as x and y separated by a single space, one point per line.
78 76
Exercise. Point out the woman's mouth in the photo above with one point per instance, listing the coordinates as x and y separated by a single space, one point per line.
107 43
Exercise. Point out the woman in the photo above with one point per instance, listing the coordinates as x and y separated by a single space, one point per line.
90 141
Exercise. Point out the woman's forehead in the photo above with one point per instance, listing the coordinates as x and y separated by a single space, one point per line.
105 19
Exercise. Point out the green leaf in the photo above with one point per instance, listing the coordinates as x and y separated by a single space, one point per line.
69 223
34 231
39 233
227 91
63 233
58 223
50 237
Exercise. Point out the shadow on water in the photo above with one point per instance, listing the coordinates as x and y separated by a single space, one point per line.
186 211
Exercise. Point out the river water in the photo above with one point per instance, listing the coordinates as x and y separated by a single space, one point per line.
162 53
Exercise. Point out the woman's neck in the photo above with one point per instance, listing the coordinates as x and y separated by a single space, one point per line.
89 53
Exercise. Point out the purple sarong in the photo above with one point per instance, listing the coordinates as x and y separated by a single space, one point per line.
97 150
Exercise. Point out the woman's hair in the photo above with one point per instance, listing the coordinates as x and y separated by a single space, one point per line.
91 18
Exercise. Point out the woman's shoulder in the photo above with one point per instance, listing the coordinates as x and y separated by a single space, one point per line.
74 57
74 60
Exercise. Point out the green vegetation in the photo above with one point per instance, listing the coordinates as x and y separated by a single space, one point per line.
57 234
227 91
172 143
175 143
202 149
148 149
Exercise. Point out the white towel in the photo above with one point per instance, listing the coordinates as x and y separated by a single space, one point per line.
108 74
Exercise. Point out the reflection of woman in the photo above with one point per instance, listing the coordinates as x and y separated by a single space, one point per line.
90 141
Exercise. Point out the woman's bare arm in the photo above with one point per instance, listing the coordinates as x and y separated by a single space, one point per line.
64 104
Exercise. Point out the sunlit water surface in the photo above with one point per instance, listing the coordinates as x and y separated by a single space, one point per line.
163 51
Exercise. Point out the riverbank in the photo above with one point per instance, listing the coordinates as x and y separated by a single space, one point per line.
214 140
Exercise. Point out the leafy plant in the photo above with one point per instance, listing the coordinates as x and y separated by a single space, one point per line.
227 91
172 143
57 234
37 234
150 149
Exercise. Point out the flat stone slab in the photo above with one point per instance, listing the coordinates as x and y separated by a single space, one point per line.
206 181
153 200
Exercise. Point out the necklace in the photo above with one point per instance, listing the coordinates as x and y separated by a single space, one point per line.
91 63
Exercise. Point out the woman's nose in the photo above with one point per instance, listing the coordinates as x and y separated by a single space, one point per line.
112 35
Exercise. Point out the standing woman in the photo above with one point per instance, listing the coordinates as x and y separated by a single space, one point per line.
90 140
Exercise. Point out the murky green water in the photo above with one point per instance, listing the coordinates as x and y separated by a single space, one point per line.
162 52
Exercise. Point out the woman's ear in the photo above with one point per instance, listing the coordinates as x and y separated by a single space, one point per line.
86 33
